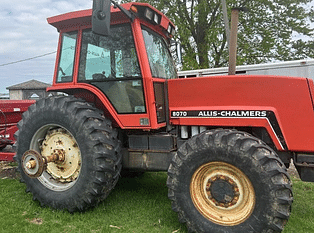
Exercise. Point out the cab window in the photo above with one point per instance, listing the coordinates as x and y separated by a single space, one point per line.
66 61
110 63
160 60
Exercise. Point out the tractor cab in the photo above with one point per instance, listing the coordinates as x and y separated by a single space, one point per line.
124 71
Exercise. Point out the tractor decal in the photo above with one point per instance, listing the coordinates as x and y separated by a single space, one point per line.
268 115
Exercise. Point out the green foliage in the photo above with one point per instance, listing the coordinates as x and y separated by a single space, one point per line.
266 31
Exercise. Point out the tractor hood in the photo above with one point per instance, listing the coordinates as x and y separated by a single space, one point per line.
282 105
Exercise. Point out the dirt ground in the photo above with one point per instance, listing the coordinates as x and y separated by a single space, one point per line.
293 171
8 170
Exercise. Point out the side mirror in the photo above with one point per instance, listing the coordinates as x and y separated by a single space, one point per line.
101 17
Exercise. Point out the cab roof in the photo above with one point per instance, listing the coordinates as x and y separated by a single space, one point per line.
75 19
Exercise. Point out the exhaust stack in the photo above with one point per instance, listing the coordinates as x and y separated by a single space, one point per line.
234 39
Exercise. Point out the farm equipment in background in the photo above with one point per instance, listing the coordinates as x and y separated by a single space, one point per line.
225 140
10 114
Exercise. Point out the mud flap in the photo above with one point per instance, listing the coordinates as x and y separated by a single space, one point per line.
305 166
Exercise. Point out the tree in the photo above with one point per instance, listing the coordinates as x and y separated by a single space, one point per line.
266 31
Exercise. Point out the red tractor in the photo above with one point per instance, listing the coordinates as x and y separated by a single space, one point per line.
225 141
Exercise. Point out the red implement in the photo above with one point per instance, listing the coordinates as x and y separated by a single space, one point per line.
10 114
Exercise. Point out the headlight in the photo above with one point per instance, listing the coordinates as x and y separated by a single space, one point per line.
171 30
149 14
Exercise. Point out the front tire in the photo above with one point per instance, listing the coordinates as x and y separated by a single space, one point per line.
229 181
92 161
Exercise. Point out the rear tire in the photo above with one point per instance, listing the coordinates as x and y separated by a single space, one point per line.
229 181
92 152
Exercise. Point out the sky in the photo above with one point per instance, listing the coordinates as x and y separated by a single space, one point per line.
25 33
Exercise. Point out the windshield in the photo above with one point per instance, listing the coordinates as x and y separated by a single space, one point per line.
160 60
110 63
112 57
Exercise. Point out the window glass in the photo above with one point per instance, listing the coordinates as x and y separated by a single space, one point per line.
160 60
110 63
109 57
66 62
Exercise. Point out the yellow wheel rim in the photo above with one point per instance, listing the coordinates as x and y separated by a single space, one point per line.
222 193
59 175
68 170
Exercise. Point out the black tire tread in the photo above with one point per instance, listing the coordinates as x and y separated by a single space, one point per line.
101 135
235 140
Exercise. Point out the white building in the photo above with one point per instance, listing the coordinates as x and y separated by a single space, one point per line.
300 68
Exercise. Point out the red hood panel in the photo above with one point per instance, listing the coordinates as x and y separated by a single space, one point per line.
239 100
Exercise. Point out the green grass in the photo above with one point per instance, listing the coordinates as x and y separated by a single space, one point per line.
301 219
136 205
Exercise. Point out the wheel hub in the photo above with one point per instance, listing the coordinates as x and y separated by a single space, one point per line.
222 193
59 142
33 164
222 190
